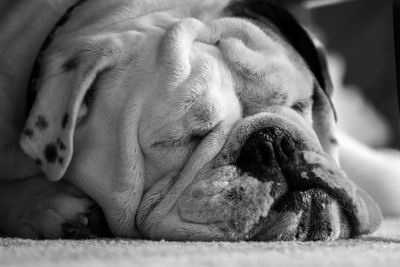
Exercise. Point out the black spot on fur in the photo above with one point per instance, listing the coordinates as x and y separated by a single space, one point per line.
65 120
41 123
71 64
61 144
50 153
61 160
38 162
28 133
235 194
275 190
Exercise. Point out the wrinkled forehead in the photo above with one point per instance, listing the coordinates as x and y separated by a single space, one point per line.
253 57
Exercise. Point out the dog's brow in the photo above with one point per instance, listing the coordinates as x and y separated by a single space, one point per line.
276 90
248 72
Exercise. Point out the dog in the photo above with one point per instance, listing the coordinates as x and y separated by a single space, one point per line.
176 120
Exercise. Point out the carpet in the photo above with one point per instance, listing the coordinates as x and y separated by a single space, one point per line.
379 249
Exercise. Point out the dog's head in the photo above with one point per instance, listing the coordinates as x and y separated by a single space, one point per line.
210 121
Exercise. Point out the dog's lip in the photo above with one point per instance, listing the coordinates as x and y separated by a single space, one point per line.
333 216
313 215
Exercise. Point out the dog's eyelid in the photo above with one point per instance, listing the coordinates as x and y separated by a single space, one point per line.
184 140
301 105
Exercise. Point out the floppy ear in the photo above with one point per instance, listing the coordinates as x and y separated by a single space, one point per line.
67 75
265 13
323 111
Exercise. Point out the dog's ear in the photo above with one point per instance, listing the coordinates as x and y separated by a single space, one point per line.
66 76
266 14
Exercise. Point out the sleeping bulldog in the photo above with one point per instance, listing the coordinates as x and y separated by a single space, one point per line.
176 120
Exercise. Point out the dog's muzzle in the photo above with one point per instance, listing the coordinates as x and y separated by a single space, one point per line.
302 209
269 182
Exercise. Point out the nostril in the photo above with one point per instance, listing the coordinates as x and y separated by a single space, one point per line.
274 133
267 147
249 154
266 152
287 145
258 150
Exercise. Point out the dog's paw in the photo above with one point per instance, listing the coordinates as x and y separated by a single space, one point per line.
60 212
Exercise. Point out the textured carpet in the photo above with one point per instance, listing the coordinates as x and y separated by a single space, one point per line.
379 249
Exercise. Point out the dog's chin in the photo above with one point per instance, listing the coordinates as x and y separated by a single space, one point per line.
268 193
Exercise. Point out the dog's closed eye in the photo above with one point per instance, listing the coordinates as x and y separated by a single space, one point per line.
177 142
193 138
302 105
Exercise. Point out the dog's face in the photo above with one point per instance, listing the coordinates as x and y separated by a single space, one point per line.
191 130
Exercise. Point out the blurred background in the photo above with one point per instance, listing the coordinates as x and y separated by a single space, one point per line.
358 35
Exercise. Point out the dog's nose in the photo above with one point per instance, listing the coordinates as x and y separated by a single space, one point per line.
264 152
258 150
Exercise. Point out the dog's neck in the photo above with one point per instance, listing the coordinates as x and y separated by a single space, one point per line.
24 26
